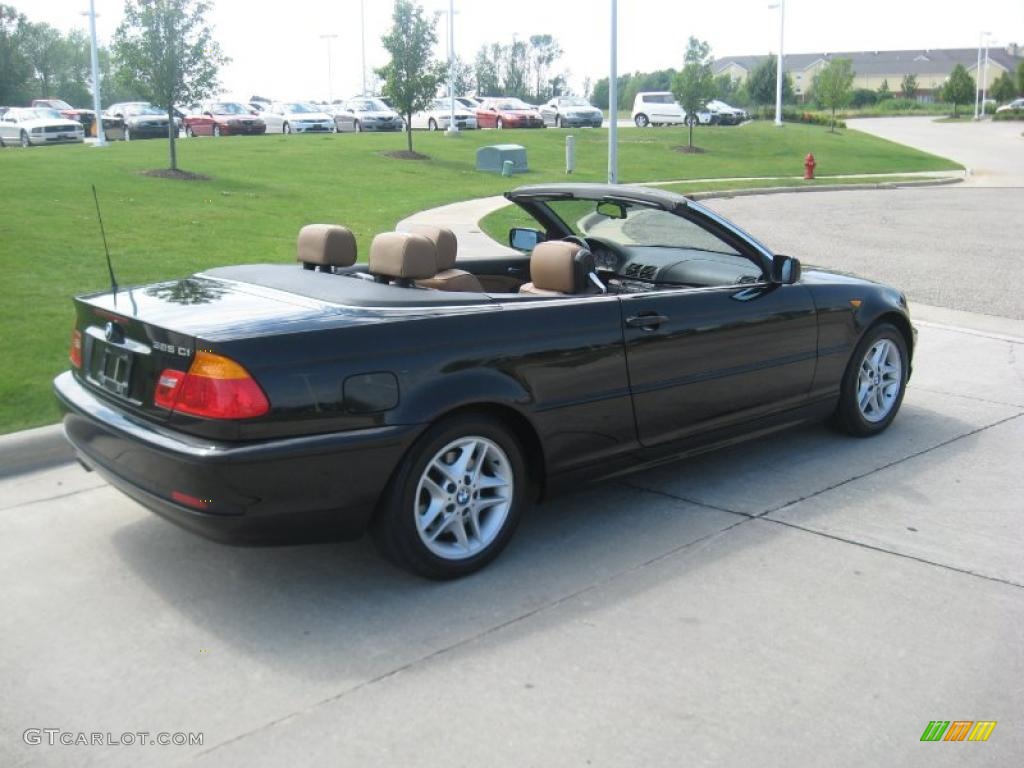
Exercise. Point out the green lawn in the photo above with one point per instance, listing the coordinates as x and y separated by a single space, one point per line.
262 189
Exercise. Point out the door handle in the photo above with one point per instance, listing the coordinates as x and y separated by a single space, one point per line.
648 321
515 270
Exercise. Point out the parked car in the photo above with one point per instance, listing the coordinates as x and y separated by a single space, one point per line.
469 102
135 120
296 117
259 106
657 108
29 126
344 120
223 118
370 113
84 116
723 114
270 403
507 113
571 112
437 116
1016 104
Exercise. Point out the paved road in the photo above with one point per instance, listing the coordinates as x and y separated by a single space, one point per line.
805 600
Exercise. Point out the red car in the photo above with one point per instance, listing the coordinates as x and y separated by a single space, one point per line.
223 118
84 116
507 113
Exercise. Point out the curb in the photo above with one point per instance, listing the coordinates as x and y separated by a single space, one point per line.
34 449
726 193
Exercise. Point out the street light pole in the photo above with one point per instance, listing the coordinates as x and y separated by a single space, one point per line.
362 37
452 127
330 77
977 76
984 77
613 103
779 71
101 140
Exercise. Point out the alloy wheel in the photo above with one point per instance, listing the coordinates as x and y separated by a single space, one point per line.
879 380
463 497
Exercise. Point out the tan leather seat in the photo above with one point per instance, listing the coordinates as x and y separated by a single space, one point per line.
558 268
326 246
448 278
402 257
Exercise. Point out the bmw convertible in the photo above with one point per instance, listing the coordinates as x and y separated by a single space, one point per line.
429 399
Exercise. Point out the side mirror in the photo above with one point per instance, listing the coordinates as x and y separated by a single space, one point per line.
524 239
611 210
785 270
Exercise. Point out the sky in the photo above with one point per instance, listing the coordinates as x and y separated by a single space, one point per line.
277 50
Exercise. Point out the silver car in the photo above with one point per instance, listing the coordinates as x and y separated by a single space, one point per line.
38 125
296 117
372 114
438 115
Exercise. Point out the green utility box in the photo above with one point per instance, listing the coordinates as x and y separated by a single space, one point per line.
493 158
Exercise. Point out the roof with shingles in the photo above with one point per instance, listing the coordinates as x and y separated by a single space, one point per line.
915 61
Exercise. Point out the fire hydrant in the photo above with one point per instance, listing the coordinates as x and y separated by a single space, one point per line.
809 165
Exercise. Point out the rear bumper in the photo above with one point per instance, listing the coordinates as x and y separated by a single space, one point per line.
266 492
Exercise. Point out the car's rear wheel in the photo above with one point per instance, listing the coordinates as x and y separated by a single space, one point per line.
357 127
23 140
641 121
499 124
558 121
286 128
432 125
455 500
127 133
216 130
874 382
189 133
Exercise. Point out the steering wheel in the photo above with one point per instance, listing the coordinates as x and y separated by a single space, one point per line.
581 241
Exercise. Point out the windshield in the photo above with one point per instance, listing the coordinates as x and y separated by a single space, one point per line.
142 109
511 104
228 108
642 225
659 98
370 105
575 102
57 104
298 108
39 113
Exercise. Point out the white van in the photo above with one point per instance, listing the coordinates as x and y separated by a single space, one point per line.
657 108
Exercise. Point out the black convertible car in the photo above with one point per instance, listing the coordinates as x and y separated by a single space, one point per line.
430 399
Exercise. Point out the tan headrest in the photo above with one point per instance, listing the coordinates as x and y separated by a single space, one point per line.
404 255
443 239
326 245
552 266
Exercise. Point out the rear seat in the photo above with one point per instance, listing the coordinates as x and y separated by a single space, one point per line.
447 278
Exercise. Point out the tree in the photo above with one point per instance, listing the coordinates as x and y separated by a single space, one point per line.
165 50
725 87
695 85
463 77
761 83
908 85
1020 77
515 68
485 72
1003 89
958 88
15 69
412 76
833 86
544 51
883 91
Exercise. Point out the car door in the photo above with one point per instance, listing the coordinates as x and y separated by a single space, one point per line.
272 117
8 129
115 129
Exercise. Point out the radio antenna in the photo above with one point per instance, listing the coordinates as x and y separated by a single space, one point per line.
103 232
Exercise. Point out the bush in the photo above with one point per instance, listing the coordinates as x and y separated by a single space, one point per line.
795 115
863 97
1011 114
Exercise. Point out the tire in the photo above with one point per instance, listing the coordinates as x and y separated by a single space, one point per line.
285 128
189 133
874 382
216 130
641 121
357 127
23 140
499 124
127 134
432 125
558 121
449 544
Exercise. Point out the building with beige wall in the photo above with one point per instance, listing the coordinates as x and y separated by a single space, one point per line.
931 67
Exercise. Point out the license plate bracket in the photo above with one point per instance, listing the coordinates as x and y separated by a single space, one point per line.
114 370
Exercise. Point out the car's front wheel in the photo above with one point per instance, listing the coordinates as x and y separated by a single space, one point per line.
127 133
455 499
499 124
285 128
432 125
874 383
24 140
641 121
216 130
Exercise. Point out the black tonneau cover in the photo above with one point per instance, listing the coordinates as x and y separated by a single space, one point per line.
343 289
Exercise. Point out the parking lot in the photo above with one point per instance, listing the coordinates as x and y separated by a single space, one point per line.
805 599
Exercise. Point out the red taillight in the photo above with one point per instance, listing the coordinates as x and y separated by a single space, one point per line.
75 353
214 386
